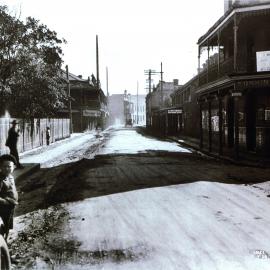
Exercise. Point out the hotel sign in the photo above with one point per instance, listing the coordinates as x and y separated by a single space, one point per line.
236 94
91 113
175 111
253 83
263 61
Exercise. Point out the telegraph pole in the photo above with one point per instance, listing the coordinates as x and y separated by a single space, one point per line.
150 72
107 82
137 102
161 86
97 62
149 78
69 102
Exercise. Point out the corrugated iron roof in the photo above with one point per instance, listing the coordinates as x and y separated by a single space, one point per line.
72 77
230 12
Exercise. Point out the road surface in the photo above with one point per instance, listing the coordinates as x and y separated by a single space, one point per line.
135 202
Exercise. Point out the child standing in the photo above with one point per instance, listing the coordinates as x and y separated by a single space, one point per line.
8 193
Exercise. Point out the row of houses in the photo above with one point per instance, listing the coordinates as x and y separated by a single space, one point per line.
226 106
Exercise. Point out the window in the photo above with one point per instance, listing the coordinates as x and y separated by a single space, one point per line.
214 120
205 119
267 114
260 114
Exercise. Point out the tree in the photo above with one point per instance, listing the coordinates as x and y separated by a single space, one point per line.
30 67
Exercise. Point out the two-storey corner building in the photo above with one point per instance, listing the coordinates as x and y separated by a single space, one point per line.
88 104
234 84
157 104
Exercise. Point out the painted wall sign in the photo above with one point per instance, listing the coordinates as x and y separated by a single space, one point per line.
254 84
236 94
176 111
91 113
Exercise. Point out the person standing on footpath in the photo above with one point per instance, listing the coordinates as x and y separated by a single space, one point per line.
12 141
48 135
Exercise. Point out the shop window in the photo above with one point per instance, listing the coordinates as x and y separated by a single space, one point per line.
205 119
267 114
260 114
215 120
241 118
224 116
188 95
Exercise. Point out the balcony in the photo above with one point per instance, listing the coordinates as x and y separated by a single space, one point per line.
212 74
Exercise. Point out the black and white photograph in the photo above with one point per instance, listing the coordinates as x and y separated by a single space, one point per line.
134 135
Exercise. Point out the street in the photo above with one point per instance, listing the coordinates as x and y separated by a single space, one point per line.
125 200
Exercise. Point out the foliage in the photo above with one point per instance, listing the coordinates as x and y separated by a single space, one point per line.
30 67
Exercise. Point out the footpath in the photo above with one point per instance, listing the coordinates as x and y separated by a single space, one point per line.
248 159
34 159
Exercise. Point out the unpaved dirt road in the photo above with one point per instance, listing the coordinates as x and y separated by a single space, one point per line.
154 209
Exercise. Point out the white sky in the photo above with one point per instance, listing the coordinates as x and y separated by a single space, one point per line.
133 36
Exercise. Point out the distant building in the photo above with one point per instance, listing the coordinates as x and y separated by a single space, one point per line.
138 112
123 107
116 109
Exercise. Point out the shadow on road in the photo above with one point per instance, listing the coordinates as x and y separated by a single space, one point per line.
149 134
109 174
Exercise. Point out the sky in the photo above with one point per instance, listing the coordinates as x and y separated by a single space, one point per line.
134 36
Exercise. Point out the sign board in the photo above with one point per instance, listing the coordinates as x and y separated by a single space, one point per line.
263 61
236 94
91 113
175 111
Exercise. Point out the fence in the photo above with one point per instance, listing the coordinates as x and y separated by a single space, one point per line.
33 134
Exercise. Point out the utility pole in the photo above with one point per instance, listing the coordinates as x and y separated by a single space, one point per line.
149 72
137 102
149 79
97 62
98 84
107 82
69 102
161 86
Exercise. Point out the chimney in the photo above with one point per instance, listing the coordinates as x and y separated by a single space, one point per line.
227 5
175 81
80 76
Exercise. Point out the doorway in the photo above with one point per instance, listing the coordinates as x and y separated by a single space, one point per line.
230 113
250 109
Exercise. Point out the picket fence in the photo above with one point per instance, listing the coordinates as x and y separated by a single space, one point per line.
33 135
